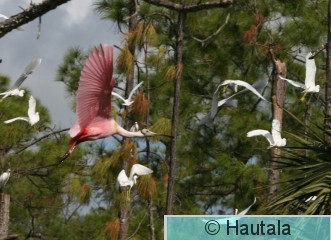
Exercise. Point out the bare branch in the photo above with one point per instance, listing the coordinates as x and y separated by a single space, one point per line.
190 7
41 138
29 14
203 41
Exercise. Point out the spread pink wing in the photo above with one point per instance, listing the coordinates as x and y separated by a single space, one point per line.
95 86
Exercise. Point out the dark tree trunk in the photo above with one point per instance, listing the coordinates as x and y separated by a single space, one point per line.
278 99
175 114
327 118
4 214
125 206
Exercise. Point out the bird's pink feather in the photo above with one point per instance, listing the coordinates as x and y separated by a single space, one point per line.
95 86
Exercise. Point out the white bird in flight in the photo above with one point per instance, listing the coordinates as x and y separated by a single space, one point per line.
128 101
136 170
274 138
309 85
5 17
216 105
4 177
33 116
239 83
232 220
14 90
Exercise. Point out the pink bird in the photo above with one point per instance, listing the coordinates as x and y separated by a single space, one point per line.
93 102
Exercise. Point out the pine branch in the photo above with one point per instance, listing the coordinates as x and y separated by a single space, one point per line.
190 7
29 14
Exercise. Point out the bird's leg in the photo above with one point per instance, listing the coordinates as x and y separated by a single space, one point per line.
128 195
302 99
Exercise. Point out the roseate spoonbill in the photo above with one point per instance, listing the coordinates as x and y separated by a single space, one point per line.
5 17
14 90
93 102
33 116
136 170
4 177
232 220
127 102
309 85
135 127
274 138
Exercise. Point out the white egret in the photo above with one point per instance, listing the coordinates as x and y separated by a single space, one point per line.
128 101
136 170
4 177
135 127
239 83
232 220
5 17
309 85
274 138
33 116
14 90
216 105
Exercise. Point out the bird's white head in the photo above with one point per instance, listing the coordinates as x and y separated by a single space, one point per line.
147 132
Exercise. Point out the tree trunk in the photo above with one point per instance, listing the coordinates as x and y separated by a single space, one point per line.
278 99
125 207
327 118
175 114
4 214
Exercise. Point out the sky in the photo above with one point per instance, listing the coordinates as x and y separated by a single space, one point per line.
70 25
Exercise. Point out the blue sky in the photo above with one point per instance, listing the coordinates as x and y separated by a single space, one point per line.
72 24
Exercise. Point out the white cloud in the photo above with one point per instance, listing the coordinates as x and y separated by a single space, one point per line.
77 11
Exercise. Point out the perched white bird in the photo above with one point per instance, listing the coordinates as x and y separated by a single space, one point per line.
309 85
274 138
136 170
14 90
128 101
232 220
135 127
33 116
5 17
4 177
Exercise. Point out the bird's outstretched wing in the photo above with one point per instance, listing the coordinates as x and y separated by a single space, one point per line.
247 209
243 84
275 131
140 170
294 83
260 132
122 179
214 103
17 118
95 86
119 96
133 90
310 71
27 71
